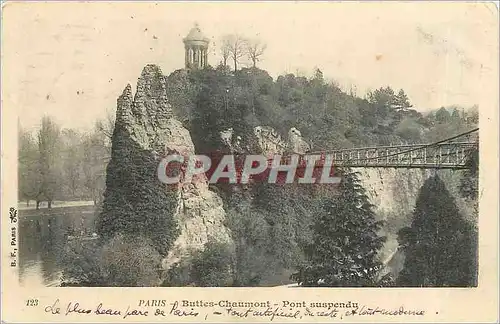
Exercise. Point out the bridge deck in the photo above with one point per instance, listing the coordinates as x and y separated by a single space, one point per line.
440 156
450 153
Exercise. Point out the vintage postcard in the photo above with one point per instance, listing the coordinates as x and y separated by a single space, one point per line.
249 162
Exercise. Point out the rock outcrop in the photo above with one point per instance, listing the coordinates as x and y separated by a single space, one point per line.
145 131
296 143
270 141
199 211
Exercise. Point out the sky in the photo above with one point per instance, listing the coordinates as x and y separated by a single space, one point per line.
72 60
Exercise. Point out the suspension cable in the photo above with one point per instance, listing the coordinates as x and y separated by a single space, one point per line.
413 149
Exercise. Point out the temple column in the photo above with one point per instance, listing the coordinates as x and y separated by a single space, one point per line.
194 55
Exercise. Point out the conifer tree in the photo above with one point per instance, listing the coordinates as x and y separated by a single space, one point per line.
402 103
440 245
469 185
345 240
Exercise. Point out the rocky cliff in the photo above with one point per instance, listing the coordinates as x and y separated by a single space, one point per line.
135 202
199 211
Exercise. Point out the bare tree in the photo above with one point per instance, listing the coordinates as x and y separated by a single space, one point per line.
106 127
236 48
255 49
225 50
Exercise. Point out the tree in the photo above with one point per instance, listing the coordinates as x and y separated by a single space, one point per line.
28 166
473 112
236 48
71 156
455 115
318 76
383 99
255 49
212 266
401 102
225 49
94 160
469 183
409 130
49 161
345 240
442 115
106 126
440 245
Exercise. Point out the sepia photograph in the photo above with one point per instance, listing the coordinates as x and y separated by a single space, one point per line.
254 145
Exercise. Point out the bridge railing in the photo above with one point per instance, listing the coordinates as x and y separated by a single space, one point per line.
443 155
450 153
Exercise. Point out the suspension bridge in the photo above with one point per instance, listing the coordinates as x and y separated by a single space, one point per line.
449 153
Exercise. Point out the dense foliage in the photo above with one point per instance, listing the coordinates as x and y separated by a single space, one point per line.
123 261
326 115
440 245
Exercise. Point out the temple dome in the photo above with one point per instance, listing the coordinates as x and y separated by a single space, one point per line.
195 34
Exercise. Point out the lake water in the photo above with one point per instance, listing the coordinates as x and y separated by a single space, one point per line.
42 236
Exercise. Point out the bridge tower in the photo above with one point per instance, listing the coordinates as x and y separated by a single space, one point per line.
196 49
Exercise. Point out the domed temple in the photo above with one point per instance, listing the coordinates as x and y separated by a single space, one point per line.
196 47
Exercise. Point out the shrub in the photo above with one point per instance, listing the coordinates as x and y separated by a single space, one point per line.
124 261
212 267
